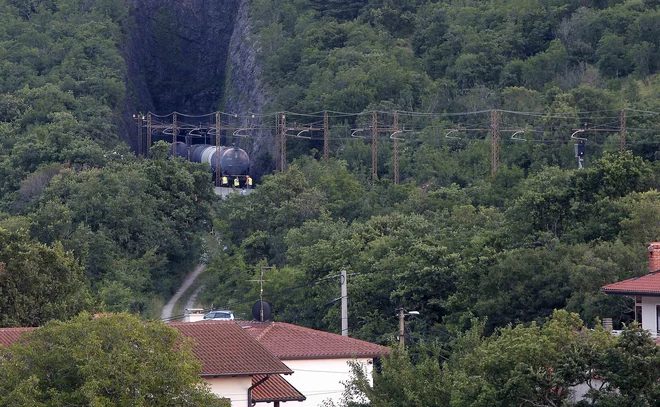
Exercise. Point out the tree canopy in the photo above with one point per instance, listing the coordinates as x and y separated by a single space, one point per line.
111 360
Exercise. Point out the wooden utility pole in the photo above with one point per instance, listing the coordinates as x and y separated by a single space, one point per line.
325 136
374 147
149 134
218 175
283 144
622 124
396 148
495 151
402 327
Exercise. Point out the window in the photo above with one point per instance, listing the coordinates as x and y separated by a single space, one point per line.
638 314
657 317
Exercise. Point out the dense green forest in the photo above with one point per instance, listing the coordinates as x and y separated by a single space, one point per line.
452 241
85 224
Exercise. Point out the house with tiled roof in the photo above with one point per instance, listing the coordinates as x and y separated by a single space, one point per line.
645 290
319 360
234 364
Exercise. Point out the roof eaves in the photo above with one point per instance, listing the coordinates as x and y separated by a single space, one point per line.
236 374
337 356
631 292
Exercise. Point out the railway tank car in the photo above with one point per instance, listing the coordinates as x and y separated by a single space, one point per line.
233 162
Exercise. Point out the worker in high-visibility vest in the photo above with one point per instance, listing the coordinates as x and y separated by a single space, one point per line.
225 181
249 182
236 182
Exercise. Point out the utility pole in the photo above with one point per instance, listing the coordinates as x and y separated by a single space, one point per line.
283 144
495 151
217 148
622 124
396 149
140 142
325 136
344 304
261 290
148 134
175 131
402 328
374 147
276 138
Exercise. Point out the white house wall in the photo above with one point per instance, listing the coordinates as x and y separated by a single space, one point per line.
234 388
649 315
321 379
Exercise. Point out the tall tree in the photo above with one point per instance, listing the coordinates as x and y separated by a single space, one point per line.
38 282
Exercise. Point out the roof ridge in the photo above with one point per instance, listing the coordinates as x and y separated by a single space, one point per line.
263 333
334 335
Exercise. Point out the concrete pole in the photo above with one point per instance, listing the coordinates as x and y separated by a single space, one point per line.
344 304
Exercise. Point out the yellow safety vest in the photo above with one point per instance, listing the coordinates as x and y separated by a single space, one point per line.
224 181
236 182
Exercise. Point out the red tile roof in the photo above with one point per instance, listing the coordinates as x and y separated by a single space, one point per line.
275 388
11 335
287 341
225 349
648 284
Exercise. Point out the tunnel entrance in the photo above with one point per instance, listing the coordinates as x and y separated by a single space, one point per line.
178 53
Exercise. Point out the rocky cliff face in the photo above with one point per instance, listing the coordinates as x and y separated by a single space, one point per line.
196 57
246 94
181 48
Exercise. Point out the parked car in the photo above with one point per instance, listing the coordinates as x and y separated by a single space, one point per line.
220 315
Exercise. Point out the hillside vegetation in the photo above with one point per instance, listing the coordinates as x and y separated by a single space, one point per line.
451 241
81 218
85 225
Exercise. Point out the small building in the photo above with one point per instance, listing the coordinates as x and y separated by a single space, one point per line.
645 290
319 360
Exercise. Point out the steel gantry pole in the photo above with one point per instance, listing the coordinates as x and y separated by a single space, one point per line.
374 147
140 143
148 134
217 149
325 136
175 131
283 144
622 124
495 150
396 148
276 141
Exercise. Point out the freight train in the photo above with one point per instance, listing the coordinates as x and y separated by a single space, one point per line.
233 163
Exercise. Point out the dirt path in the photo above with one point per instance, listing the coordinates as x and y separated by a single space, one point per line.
167 309
193 297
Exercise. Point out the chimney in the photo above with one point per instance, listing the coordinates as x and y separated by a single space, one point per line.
654 257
